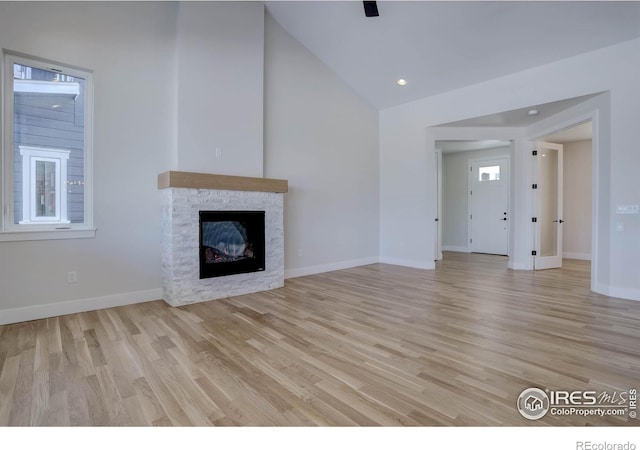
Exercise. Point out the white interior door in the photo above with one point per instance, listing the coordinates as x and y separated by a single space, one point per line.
438 181
489 206
548 206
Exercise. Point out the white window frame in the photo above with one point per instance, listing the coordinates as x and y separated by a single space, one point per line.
30 157
60 228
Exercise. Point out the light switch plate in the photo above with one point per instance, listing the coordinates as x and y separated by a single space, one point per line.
628 209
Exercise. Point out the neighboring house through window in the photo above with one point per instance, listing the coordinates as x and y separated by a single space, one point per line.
47 150
44 193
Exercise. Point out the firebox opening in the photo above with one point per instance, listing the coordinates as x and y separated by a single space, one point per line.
231 242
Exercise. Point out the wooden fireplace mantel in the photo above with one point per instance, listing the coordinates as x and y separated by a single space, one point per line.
192 180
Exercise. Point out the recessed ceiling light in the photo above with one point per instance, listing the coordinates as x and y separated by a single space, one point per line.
532 112
56 106
402 82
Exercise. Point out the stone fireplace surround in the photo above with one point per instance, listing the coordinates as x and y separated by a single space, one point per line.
184 195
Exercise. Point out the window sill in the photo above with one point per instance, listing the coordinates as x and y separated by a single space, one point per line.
45 235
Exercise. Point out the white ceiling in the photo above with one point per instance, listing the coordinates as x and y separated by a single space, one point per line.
581 132
440 46
520 117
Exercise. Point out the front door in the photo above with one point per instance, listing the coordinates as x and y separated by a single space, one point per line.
489 206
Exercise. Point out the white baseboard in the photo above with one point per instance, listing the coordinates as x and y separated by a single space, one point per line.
624 293
574 255
517 266
27 313
321 268
601 288
408 263
75 306
455 248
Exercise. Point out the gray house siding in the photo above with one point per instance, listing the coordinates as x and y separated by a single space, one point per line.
38 123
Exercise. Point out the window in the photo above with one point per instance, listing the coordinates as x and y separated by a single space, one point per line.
489 173
46 186
44 196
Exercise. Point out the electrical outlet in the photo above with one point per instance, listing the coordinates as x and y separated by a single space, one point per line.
218 152
72 277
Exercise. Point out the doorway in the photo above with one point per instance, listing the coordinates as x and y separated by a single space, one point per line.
563 198
522 129
473 196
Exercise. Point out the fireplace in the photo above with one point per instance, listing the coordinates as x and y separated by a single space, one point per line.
231 242
188 198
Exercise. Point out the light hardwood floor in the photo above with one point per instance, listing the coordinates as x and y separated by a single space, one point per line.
373 345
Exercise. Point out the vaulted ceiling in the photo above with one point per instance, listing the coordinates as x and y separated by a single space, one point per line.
441 46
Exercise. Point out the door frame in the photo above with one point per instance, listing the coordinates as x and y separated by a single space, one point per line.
596 135
470 162
515 136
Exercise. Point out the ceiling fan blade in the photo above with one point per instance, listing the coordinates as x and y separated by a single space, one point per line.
371 9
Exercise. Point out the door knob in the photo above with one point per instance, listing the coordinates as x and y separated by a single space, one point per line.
504 218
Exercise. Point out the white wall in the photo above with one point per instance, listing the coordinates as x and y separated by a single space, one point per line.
455 198
576 239
172 82
131 49
407 194
324 140
220 87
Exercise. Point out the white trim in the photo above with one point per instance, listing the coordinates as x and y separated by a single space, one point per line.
624 293
617 292
428 265
600 288
516 266
75 306
456 248
321 268
45 235
574 255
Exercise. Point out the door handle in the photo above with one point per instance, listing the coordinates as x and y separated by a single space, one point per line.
504 218
558 221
